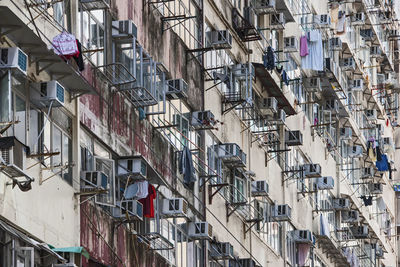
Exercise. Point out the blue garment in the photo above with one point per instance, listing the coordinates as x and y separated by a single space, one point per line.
285 78
269 59
383 164
186 167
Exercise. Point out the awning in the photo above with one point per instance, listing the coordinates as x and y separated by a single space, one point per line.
38 52
77 250
272 88
281 6
18 234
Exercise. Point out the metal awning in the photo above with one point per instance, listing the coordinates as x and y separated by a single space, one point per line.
14 28
18 234
77 250
272 88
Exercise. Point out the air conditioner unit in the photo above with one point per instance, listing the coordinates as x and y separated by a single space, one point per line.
325 183
199 230
268 105
371 114
325 205
335 44
359 231
220 39
375 51
259 188
176 89
278 118
221 250
379 253
135 168
243 71
131 208
202 119
291 44
14 157
13 58
348 64
375 188
95 180
380 79
367 34
123 29
355 151
263 7
249 15
388 145
277 21
175 207
350 216
393 33
323 20
332 105
281 212
231 152
368 172
293 138
247 263
50 93
312 84
356 85
311 170
302 236
341 204
358 18
346 133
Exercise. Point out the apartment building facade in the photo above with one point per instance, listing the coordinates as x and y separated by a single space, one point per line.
198 133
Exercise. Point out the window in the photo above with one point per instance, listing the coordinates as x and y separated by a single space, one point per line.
239 189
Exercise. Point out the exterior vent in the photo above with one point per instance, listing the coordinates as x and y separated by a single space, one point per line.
175 207
176 89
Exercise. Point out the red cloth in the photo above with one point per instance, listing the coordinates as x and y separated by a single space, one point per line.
148 202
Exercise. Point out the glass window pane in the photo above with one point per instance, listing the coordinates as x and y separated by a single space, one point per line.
56 143
67 158
33 130
20 115
4 98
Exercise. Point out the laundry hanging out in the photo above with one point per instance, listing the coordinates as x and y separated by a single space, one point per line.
314 60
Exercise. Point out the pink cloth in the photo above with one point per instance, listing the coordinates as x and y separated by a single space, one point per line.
303 46
303 250
65 44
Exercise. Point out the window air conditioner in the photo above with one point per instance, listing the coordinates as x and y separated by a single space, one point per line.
220 39
243 71
388 144
302 236
281 212
202 119
371 114
95 180
14 58
379 253
325 183
341 204
356 85
312 84
348 64
375 188
375 51
132 208
136 168
291 44
13 154
335 44
293 138
259 188
277 21
51 92
176 89
249 15
358 19
268 105
278 118
393 33
312 170
368 172
123 29
175 207
367 34
355 151
350 216
221 250
359 231
200 230
332 105
247 263
262 7
231 152
323 20
346 133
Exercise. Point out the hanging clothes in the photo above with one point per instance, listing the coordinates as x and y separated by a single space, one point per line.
367 200
142 114
324 226
285 78
186 167
303 46
137 190
378 153
65 44
303 250
383 164
79 58
269 59
315 59
148 202
371 148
